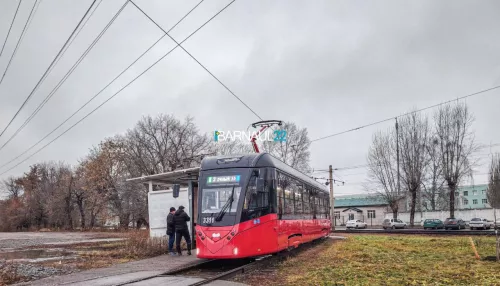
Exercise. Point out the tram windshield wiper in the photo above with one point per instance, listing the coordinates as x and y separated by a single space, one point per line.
228 204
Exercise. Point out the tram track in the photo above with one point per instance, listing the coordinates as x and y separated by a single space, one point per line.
212 270
418 232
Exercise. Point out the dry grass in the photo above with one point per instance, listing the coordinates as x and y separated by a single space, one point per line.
8 274
394 260
137 246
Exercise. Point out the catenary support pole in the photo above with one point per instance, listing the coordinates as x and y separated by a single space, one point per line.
332 199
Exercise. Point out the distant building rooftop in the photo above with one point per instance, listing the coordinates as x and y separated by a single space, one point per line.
359 200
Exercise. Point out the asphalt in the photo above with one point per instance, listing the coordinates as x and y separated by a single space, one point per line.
132 273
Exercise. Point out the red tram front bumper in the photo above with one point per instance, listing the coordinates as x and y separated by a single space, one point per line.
248 239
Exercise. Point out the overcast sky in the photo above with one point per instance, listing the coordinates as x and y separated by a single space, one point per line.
326 65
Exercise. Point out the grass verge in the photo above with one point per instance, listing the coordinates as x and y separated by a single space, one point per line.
393 260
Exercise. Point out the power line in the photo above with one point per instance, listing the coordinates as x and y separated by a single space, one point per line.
70 71
405 114
107 100
78 33
11 24
49 96
349 167
179 44
45 74
19 41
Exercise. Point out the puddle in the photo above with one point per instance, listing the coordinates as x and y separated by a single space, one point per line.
37 255
85 241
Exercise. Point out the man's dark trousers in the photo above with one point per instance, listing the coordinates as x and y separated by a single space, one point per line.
179 235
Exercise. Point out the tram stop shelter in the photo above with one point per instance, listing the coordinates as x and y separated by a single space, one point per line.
161 197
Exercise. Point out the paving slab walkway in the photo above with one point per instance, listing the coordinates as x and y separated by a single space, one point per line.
130 272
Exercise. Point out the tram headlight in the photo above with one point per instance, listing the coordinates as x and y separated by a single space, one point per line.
197 251
235 251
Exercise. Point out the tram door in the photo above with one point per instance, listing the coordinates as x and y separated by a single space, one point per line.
194 208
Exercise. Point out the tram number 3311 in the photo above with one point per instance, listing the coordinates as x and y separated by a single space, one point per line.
208 220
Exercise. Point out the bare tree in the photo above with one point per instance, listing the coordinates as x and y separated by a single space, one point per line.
456 143
494 192
12 188
433 182
294 150
162 144
382 172
494 183
232 148
414 130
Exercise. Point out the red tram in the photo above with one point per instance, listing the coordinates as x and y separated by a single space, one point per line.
255 204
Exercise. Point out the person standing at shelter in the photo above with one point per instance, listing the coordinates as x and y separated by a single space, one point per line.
181 229
171 231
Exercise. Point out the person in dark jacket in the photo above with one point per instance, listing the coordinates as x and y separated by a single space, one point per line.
181 229
171 231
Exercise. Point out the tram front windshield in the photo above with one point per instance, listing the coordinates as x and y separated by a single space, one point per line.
220 195
215 198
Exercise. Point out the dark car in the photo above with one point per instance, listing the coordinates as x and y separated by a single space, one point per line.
454 223
433 224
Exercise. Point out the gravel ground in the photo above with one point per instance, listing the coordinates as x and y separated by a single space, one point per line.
32 271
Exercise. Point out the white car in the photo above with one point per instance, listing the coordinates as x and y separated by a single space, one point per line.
355 224
393 223
480 223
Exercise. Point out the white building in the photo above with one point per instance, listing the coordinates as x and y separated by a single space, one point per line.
370 208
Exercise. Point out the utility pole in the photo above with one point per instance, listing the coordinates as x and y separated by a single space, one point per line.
332 200
397 155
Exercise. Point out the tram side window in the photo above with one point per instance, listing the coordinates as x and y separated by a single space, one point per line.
298 200
318 208
327 207
289 206
283 195
312 199
306 203
281 202
319 202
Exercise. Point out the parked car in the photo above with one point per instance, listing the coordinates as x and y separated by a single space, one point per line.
480 223
433 223
454 223
393 223
355 224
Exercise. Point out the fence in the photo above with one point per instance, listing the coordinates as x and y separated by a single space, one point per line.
466 215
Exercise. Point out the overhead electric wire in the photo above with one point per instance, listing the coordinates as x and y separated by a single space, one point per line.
179 44
79 61
80 30
19 41
70 71
44 76
107 100
10 28
405 114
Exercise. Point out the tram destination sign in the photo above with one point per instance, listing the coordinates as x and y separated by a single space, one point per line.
223 179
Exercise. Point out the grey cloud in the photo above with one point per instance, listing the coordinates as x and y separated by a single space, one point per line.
326 65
